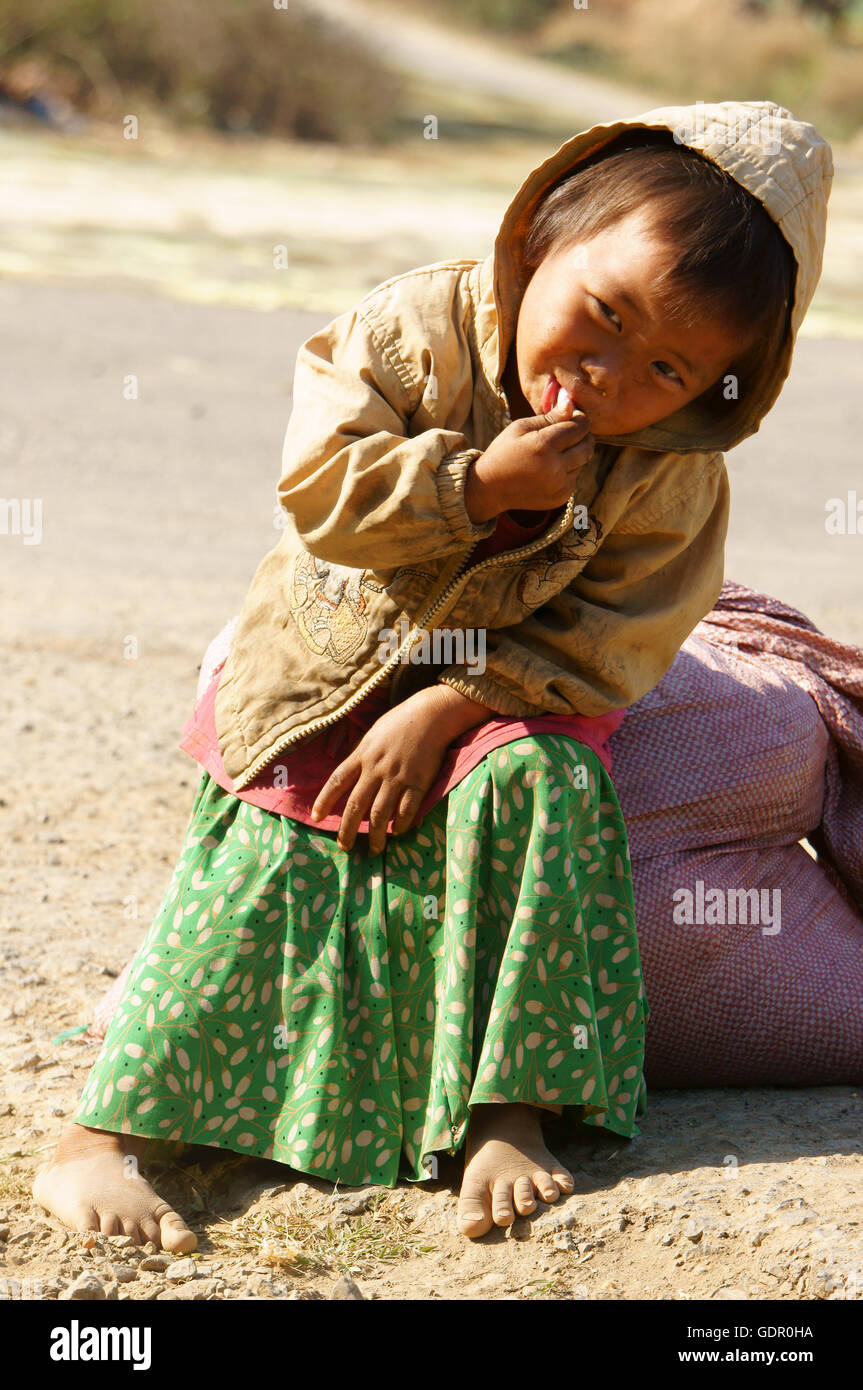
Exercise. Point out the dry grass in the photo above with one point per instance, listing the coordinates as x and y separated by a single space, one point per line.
13 1185
301 1240
690 50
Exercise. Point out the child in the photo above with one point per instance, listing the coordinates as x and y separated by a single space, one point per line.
526 449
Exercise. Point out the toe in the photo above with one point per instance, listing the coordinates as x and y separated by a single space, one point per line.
110 1224
501 1203
85 1219
523 1197
175 1234
546 1186
149 1229
474 1209
564 1179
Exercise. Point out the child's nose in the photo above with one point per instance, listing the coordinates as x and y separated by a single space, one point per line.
599 374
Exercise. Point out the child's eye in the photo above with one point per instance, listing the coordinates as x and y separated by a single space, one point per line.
609 313
668 372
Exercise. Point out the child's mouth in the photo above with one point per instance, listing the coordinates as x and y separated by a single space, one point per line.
551 393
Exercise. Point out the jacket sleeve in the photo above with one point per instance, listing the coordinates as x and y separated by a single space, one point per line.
361 489
610 636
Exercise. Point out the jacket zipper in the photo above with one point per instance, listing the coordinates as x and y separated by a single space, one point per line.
460 577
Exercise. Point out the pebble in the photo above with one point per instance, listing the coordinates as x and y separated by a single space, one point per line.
798 1217
27 1062
157 1263
825 1281
730 1292
86 1288
22 1238
4 1232
181 1269
563 1240
261 1286
120 1242
693 1231
353 1203
196 1292
344 1289
124 1274
53 1288
557 1218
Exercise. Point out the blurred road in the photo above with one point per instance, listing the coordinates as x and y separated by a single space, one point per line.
449 55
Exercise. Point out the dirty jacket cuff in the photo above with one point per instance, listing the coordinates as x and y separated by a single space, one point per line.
451 476
486 691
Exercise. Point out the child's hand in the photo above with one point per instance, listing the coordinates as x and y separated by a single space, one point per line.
531 466
390 770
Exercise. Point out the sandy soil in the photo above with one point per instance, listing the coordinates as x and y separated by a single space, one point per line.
155 512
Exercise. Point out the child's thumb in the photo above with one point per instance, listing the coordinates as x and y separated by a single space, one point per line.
561 409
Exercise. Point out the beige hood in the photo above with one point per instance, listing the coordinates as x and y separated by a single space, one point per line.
782 161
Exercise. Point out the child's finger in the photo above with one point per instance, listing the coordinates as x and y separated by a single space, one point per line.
380 815
408 806
570 435
337 784
357 806
563 412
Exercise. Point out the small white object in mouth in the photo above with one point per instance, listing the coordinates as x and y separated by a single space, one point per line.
563 398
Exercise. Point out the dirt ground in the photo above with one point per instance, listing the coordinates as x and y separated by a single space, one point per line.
155 513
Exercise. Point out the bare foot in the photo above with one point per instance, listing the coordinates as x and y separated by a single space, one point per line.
506 1164
92 1184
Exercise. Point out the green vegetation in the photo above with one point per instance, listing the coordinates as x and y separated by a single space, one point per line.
246 66
805 54
230 64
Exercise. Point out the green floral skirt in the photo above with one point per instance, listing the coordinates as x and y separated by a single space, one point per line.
341 1011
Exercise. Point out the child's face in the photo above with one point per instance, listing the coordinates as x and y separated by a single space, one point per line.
576 329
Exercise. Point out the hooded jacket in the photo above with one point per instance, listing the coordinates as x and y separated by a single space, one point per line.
392 402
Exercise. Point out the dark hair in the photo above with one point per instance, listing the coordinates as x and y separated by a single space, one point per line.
733 262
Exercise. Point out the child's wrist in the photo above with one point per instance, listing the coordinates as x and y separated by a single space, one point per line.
480 505
454 713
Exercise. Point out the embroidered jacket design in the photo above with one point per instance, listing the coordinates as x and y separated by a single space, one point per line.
547 575
328 606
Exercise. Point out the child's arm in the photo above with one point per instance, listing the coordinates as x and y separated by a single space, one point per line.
370 475
611 634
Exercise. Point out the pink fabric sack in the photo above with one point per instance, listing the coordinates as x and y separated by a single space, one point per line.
752 740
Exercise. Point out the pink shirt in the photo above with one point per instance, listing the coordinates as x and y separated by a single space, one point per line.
308 765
